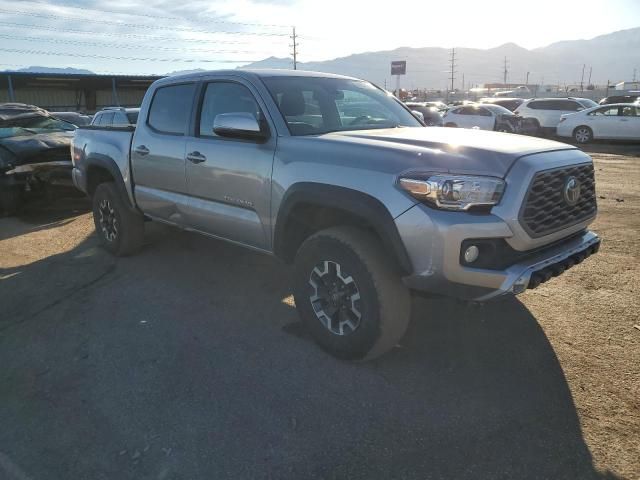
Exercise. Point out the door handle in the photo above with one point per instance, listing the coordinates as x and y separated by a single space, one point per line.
141 150
196 157
624 120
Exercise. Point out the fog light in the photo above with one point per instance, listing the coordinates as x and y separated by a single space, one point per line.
471 254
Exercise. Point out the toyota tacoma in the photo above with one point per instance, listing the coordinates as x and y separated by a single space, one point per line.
336 176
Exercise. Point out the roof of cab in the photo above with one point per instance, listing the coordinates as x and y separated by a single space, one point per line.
251 73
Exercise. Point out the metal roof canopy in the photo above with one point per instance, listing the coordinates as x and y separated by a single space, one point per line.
74 80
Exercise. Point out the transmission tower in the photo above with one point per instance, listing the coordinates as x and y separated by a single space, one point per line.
506 72
452 69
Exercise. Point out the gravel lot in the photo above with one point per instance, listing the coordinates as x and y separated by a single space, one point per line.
187 362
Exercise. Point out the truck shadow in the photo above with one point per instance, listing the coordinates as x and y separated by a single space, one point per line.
471 392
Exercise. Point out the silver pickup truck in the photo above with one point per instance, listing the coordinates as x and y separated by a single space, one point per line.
339 178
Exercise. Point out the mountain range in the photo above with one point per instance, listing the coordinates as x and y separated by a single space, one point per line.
611 57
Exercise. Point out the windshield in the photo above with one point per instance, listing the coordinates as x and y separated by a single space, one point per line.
38 124
316 105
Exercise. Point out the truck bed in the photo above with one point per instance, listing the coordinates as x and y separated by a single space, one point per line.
104 144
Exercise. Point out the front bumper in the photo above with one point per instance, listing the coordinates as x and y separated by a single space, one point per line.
434 238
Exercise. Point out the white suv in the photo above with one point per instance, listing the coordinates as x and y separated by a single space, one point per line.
549 110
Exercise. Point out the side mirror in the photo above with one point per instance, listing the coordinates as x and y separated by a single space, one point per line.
238 125
418 115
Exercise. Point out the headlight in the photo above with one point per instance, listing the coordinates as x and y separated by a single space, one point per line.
454 192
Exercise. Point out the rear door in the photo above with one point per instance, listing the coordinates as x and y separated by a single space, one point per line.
559 108
485 119
630 122
158 153
229 179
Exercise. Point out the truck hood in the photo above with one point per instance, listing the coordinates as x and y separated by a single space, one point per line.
452 150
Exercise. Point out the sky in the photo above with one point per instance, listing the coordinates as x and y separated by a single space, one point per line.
161 36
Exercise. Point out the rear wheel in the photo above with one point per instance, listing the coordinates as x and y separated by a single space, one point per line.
349 295
582 134
119 227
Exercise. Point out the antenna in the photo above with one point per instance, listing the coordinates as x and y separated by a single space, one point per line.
295 45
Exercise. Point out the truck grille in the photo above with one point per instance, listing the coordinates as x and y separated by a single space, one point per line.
546 210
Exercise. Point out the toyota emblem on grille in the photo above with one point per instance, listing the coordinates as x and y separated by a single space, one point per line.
571 191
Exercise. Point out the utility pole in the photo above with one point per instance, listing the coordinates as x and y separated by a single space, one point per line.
582 78
463 83
527 82
294 38
452 70
506 71
589 81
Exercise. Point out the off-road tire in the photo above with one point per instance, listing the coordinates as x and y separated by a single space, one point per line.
384 301
129 232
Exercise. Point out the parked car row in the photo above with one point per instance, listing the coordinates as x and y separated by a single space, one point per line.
582 119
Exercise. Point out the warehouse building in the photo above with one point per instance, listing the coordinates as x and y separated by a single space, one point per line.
86 93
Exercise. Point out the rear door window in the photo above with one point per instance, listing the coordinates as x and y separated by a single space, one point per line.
170 109
566 105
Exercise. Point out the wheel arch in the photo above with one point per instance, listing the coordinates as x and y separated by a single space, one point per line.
308 207
100 169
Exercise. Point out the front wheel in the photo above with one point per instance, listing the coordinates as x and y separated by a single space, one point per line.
349 295
119 227
583 134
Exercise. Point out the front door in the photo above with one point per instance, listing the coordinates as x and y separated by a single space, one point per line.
158 153
229 179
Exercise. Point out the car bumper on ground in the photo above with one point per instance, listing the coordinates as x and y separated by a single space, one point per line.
436 244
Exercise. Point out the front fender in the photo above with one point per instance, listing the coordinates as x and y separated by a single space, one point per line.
354 202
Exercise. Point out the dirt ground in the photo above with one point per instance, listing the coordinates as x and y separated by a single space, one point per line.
187 361
591 316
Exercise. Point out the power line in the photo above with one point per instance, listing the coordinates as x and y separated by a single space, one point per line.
110 57
123 45
134 25
209 18
125 35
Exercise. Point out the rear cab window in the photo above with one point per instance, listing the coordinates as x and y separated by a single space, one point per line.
171 108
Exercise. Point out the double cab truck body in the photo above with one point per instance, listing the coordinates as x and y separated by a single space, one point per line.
336 176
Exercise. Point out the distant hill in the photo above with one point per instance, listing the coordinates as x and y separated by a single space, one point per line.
67 70
612 56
